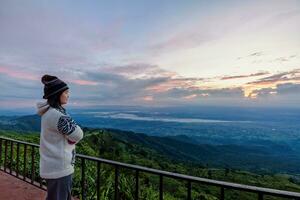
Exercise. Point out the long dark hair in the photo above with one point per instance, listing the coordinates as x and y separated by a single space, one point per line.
54 101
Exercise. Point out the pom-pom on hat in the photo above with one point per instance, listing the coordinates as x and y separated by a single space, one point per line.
52 85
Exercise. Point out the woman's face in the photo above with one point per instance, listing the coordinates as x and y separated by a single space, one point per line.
64 97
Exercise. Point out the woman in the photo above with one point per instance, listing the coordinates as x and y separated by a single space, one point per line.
59 135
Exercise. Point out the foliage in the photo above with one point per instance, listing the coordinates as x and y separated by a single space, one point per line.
110 145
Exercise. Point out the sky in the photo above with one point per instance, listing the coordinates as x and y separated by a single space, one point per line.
152 53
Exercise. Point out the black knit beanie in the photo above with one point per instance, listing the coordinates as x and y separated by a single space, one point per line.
52 85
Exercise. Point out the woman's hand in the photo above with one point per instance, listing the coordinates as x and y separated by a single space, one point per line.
71 142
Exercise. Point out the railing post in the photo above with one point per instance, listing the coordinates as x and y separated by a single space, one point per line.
222 193
0 151
116 182
5 156
25 160
136 184
32 164
98 180
189 190
41 182
260 196
11 157
83 192
161 195
18 158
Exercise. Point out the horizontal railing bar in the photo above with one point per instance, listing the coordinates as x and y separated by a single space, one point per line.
21 142
224 184
228 185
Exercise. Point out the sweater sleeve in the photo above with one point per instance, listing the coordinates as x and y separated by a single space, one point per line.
69 128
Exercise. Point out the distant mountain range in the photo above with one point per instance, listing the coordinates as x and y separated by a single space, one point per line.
253 154
27 123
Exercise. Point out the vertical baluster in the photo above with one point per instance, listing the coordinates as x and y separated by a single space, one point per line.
25 160
98 180
18 158
189 190
11 157
41 182
0 152
161 195
32 164
116 182
222 195
260 196
136 184
83 192
5 155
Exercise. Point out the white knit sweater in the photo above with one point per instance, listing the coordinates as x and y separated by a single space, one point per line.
57 155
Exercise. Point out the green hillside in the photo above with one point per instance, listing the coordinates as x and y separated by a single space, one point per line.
156 153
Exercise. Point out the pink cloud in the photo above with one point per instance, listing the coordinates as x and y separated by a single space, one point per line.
83 82
148 98
192 96
28 76
18 74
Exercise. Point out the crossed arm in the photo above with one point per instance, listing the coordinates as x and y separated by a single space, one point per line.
69 128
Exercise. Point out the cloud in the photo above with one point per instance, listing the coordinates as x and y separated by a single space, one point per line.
116 86
100 85
201 30
222 96
108 58
264 92
244 76
40 34
17 73
259 53
18 93
255 55
139 70
263 86
279 77
179 93
283 95
184 41
22 75
260 57
288 88
139 84
84 82
171 83
284 59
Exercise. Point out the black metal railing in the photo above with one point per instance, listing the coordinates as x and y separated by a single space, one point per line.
33 178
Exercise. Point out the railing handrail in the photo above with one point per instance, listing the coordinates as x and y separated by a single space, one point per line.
19 141
222 184
225 184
